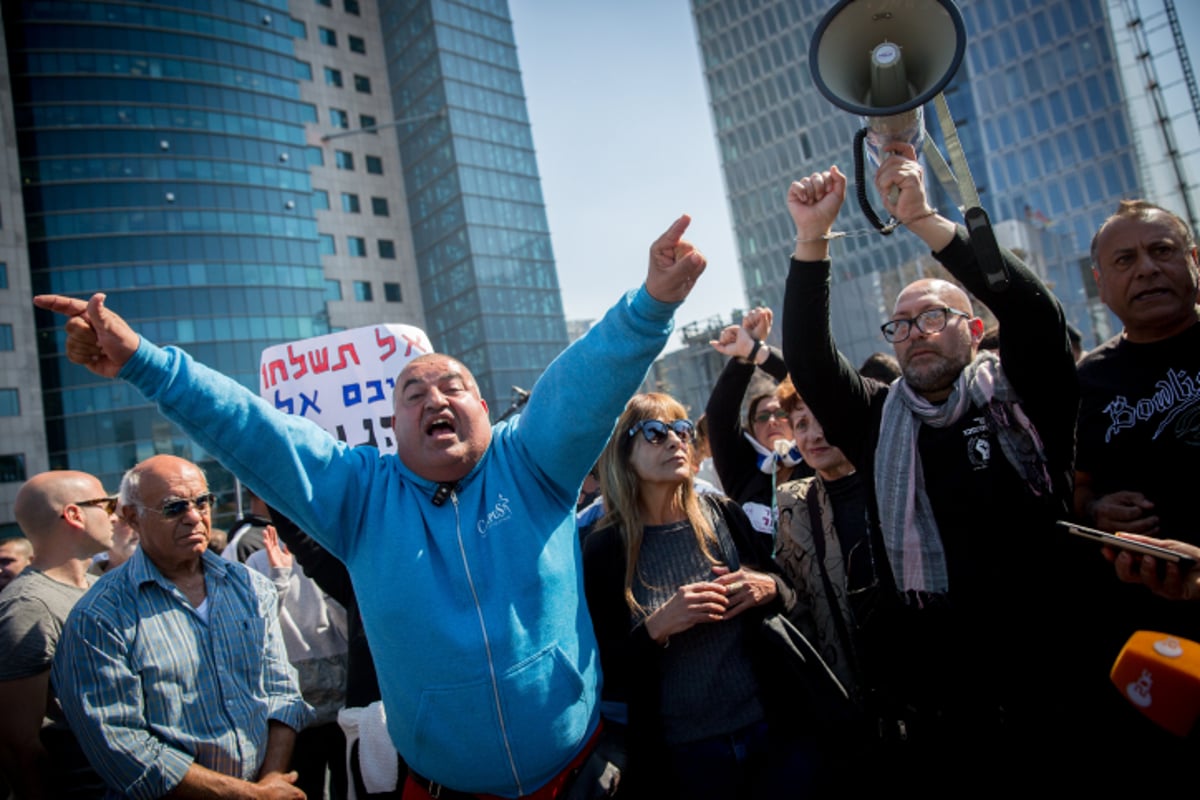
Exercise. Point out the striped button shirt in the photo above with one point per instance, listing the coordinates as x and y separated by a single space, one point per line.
149 687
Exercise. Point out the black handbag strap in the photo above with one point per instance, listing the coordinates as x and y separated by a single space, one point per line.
813 502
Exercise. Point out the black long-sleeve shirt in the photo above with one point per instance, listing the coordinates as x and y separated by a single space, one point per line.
991 527
733 457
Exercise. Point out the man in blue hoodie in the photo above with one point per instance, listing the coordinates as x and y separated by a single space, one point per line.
462 547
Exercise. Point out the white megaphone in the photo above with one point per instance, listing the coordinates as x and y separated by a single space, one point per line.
884 60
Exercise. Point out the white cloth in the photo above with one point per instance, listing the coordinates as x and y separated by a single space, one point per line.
378 762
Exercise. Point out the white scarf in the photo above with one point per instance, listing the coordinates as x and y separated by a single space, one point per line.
783 453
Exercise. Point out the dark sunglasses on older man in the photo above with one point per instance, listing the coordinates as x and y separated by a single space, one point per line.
177 507
655 430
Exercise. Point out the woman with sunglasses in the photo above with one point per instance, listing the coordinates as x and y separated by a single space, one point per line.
678 585
752 461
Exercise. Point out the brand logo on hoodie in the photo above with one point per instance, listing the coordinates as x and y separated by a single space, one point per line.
500 513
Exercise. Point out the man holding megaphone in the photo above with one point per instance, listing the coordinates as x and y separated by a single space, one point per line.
968 457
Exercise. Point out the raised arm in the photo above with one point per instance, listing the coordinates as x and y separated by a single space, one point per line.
248 436
829 384
97 338
1034 347
590 382
733 457
1035 350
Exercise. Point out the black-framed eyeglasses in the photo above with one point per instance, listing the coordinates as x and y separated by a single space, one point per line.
767 416
178 506
655 430
931 321
109 504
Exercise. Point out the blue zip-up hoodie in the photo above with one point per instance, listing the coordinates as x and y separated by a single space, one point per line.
474 609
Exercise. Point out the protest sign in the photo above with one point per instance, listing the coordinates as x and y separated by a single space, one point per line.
343 381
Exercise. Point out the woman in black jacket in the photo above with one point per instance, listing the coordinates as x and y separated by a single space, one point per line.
678 586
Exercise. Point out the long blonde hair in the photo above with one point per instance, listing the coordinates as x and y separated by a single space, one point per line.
622 489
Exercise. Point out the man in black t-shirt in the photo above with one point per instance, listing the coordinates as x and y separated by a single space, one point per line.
1139 420
1139 442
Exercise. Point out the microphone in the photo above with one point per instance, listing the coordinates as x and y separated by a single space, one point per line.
1160 675
443 493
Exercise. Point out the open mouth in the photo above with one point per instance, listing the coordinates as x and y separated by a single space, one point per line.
440 426
1150 294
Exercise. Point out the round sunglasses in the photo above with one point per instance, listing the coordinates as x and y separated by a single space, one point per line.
655 430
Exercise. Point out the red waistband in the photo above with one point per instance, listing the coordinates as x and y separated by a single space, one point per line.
420 788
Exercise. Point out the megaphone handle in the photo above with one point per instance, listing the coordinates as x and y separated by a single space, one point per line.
860 186
987 251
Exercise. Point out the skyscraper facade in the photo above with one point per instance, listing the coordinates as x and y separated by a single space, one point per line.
480 234
357 181
1037 101
22 427
235 174
163 161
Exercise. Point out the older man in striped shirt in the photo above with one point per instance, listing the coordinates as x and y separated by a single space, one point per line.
172 672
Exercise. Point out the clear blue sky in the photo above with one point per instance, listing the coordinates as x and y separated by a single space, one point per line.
625 143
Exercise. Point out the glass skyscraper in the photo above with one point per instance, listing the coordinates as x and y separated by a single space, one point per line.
480 234
163 161
239 173
1037 101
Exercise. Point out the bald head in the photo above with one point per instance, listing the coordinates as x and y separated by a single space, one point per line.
440 421
932 358
435 360
154 470
15 555
166 500
949 294
40 502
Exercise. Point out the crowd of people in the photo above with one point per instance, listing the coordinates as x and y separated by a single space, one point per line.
870 593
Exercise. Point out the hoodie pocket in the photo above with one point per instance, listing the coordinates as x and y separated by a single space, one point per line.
545 712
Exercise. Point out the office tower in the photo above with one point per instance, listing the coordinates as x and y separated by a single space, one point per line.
163 161
364 237
482 242
1038 101
22 429
233 174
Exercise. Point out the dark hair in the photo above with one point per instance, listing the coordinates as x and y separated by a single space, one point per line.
780 393
881 367
1141 209
753 408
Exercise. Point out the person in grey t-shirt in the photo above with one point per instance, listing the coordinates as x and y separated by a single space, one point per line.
67 516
